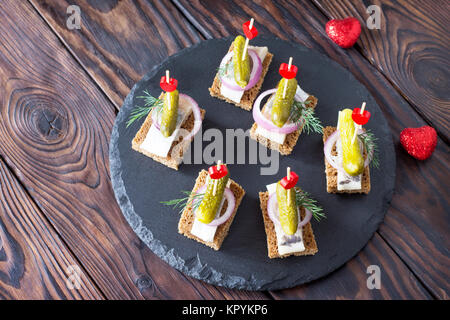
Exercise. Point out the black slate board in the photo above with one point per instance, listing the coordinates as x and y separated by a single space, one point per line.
141 183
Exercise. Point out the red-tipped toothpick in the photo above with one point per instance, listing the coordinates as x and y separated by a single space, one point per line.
358 126
167 84
247 39
286 82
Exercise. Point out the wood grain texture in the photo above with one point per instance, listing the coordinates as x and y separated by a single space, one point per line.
419 189
34 262
411 49
54 135
120 41
415 226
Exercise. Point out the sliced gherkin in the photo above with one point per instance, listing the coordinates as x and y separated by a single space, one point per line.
241 67
207 210
169 113
287 210
282 107
353 161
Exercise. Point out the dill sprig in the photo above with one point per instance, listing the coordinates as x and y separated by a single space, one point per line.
369 142
150 103
303 199
300 112
137 113
192 199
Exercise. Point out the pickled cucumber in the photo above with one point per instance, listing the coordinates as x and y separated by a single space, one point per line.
281 109
353 161
287 211
241 67
169 113
207 209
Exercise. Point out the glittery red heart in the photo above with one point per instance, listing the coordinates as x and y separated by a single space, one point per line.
249 33
215 173
168 86
289 183
359 118
287 73
419 142
344 32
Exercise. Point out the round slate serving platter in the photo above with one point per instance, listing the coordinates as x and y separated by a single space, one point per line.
140 183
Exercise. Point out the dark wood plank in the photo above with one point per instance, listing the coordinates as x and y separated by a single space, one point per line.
120 40
415 226
306 25
350 281
34 262
54 134
411 49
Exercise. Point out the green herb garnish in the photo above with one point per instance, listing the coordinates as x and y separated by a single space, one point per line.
192 200
369 142
150 103
303 199
301 113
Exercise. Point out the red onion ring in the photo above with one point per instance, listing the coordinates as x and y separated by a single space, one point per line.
155 120
328 147
266 123
197 116
272 210
231 202
255 74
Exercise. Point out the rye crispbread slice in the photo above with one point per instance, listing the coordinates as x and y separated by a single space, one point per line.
187 217
176 152
331 173
291 138
272 247
250 95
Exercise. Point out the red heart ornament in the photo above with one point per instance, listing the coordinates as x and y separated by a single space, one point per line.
249 33
419 142
215 173
289 183
344 32
287 73
168 86
359 118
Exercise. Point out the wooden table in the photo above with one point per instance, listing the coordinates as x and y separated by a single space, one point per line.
61 90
